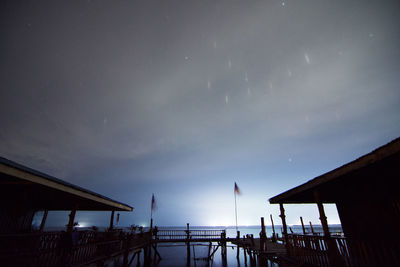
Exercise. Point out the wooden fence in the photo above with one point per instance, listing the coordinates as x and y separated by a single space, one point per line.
166 234
313 249
62 248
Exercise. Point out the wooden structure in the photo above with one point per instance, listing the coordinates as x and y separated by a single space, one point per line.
24 191
366 194
189 236
257 250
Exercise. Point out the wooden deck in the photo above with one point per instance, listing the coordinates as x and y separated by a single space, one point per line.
274 249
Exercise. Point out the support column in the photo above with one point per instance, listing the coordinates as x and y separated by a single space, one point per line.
188 259
70 225
111 221
263 236
333 253
322 215
302 225
188 254
43 220
273 229
223 255
283 217
223 249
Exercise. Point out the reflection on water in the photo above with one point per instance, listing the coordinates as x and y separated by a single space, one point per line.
176 254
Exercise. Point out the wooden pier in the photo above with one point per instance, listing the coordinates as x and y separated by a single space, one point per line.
258 250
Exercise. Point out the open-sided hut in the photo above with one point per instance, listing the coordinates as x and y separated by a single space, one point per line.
24 191
367 197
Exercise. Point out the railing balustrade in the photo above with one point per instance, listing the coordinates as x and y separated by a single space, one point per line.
165 234
313 249
62 248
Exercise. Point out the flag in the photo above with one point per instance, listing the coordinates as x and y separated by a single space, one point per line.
153 203
237 190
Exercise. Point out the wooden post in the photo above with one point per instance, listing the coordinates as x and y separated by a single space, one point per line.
273 229
111 221
187 245
70 225
302 225
194 255
188 254
333 253
146 255
322 216
237 234
138 259
284 232
43 220
245 256
312 229
263 236
125 247
223 254
209 252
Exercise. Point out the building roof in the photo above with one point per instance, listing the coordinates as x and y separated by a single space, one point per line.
47 192
381 160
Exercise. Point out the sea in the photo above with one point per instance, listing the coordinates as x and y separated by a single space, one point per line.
175 254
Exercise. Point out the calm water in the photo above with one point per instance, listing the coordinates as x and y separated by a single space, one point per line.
175 255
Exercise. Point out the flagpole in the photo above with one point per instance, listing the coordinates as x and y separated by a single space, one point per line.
151 212
236 211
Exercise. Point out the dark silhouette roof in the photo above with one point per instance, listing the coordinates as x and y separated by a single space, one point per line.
17 177
337 177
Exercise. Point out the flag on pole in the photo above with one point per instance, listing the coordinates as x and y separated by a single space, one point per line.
237 190
153 203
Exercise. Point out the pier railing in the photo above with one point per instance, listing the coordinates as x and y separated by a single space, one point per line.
172 234
313 249
66 248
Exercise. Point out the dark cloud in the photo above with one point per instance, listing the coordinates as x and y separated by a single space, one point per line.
182 97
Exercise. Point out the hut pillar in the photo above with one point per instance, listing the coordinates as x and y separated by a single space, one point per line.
333 253
111 220
322 215
70 225
43 220
283 217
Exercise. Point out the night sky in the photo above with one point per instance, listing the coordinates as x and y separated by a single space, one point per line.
183 98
